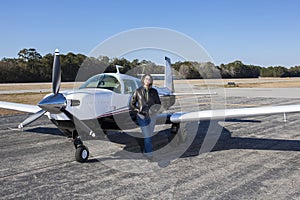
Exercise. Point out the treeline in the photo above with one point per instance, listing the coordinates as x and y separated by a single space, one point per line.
30 66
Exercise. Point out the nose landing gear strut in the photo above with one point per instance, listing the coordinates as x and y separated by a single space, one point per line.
82 152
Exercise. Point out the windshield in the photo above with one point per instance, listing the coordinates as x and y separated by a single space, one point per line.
103 81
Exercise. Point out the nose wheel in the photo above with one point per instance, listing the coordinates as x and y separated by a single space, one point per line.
82 152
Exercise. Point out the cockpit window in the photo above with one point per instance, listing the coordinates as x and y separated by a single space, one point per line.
92 82
103 81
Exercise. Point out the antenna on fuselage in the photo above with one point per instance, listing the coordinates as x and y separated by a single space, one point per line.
117 67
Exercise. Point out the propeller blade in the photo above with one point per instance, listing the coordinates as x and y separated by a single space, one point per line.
56 73
78 123
32 118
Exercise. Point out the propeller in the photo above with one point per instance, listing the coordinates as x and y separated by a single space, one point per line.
51 103
55 103
56 73
80 125
32 118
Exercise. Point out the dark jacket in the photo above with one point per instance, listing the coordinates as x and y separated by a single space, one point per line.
139 104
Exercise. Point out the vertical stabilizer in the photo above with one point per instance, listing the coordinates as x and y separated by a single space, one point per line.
169 75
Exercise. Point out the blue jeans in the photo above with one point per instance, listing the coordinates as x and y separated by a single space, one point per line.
147 126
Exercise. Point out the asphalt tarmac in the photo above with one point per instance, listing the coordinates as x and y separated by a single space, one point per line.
253 158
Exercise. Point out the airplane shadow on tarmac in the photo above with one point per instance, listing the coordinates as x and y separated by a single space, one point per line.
225 141
46 130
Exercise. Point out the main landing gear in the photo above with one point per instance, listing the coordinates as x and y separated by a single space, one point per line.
178 134
82 152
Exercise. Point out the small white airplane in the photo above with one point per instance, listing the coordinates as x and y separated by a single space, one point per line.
102 103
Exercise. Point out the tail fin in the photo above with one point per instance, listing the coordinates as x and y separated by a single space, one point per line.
169 75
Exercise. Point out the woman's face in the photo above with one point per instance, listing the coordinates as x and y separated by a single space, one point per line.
147 81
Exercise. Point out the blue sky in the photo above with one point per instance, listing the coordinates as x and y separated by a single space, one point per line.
260 32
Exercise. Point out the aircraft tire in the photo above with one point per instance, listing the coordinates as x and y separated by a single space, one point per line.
82 154
175 128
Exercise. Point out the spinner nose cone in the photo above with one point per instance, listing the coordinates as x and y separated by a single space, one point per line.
53 103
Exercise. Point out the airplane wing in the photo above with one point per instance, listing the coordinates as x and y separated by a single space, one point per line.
19 107
179 117
193 93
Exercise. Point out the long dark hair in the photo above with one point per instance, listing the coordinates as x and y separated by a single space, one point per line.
151 79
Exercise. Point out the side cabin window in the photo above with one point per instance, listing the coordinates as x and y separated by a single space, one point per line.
110 83
129 85
103 81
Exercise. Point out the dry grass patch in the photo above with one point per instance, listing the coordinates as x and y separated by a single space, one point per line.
36 86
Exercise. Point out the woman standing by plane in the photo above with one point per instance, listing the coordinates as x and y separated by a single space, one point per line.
145 101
